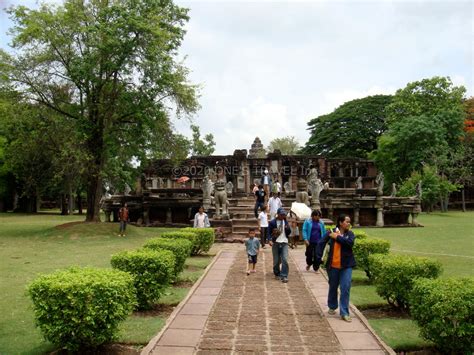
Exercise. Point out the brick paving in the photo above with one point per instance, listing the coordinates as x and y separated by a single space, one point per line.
258 314
228 312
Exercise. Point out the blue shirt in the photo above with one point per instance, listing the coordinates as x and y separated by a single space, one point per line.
315 232
252 245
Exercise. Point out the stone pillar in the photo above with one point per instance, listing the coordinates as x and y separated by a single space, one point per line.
154 183
107 216
192 183
356 217
168 183
379 222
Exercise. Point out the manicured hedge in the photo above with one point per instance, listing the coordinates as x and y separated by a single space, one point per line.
360 234
152 271
82 307
181 249
363 247
394 275
444 311
179 234
205 239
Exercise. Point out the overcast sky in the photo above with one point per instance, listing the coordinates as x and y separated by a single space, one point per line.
268 67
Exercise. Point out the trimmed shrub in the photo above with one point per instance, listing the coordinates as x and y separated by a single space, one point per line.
360 234
394 275
181 249
445 313
152 271
205 239
191 236
82 307
365 247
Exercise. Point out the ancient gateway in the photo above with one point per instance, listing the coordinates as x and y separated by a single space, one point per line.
223 184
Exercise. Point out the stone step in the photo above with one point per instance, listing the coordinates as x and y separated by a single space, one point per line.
248 215
247 222
243 229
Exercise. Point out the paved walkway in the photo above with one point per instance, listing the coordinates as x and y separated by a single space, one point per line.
231 313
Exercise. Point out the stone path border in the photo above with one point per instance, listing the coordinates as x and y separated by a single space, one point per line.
356 337
183 328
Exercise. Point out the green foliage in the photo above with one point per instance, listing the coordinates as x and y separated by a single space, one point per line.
77 307
205 239
201 147
444 311
394 275
360 234
181 234
429 97
286 145
181 249
364 247
434 186
152 271
410 143
351 130
425 124
112 68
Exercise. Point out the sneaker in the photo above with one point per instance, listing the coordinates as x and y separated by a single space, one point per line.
284 280
277 277
331 311
346 318
307 267
253 271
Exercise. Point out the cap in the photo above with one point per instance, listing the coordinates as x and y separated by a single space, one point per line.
281 211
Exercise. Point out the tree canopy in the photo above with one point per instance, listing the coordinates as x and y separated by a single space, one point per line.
351 130
286 145
426 121
108 68
201 147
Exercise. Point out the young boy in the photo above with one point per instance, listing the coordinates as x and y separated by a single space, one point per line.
295 233
252 245
263 225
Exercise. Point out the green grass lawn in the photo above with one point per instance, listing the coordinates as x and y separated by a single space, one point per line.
32 244
447 237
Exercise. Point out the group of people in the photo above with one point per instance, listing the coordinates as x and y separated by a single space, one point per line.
340 258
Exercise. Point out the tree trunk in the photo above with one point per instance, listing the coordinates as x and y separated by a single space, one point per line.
79 201
70 199
94 194
64 210
463 200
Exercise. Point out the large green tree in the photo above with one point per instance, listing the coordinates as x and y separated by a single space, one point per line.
110 66
351 130
429 97
425 126
286 145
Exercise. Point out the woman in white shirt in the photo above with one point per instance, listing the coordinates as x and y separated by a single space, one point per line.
200 219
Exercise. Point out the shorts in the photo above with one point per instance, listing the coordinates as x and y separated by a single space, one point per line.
252 259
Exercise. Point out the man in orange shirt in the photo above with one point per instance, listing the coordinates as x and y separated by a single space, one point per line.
339 265
123 218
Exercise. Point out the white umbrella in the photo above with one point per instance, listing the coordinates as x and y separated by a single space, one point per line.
300 210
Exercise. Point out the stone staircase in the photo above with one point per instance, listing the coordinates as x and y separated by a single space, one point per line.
243 218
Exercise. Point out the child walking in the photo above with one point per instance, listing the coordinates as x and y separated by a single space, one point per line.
252 245
295 234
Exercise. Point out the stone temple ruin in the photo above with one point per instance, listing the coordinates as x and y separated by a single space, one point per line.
223 185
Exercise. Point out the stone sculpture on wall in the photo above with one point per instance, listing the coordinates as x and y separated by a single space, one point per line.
206 187
302 193
359 183
220 198
394 190
379 182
